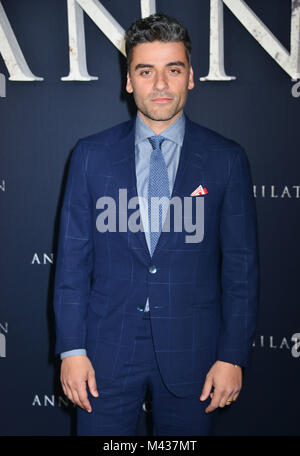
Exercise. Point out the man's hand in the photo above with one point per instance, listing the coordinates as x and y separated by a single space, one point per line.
74 372
227 382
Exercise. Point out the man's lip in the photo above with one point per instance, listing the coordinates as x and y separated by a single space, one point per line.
161 99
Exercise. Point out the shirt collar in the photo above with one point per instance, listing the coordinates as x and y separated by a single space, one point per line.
175 132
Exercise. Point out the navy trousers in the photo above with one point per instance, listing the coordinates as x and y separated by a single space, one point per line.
117 409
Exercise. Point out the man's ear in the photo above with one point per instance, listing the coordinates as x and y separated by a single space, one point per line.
191 79
129 87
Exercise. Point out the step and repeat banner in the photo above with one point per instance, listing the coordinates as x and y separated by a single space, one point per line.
62 77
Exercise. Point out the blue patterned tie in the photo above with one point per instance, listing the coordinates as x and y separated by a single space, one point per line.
158 186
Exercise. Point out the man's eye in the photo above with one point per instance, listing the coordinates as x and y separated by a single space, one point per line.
174 71
145 72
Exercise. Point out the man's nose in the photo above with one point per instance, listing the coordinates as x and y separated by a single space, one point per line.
160 82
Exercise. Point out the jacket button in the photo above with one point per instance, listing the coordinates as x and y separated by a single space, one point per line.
152 269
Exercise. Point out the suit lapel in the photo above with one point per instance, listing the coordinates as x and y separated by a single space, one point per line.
124 171
190 169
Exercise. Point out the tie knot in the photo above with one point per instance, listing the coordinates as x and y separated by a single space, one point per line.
156 141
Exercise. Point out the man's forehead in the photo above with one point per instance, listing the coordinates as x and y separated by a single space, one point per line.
159 52
149 45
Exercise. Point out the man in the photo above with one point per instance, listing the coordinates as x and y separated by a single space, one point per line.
154 308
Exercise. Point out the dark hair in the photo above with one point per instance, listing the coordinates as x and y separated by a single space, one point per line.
156 27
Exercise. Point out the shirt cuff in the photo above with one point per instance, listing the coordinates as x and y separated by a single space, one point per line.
79 351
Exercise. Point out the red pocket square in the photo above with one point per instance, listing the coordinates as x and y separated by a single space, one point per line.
199 191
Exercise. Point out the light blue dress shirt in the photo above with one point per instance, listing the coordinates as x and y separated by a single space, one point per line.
171 148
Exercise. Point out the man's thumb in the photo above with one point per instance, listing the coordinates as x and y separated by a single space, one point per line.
206 389
92 384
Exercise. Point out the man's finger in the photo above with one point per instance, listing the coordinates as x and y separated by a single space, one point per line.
80 403
83 397
206 388
235 396
74 394
214 403
76 398
92 384
229 401
226 399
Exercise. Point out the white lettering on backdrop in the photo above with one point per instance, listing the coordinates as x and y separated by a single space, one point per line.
289 61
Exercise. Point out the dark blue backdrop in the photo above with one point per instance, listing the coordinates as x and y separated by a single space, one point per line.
41 122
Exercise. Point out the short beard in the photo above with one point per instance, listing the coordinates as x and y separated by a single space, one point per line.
158 117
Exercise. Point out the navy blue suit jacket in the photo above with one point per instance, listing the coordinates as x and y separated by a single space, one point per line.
203 296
